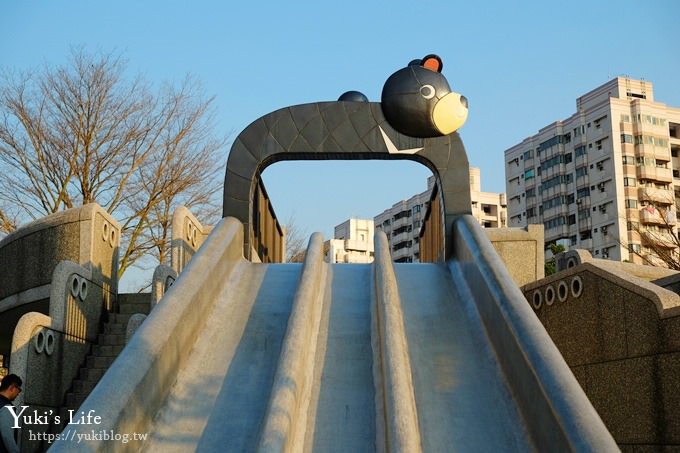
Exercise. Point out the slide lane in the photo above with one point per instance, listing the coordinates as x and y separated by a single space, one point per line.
462 397
220 393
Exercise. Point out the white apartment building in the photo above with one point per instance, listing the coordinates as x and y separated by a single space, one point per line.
401 223
489 208
352 243
604 179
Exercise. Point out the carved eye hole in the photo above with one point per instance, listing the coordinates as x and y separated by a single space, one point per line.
427 91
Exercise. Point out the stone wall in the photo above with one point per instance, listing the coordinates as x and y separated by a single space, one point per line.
188 234
87 236
521 250
620 335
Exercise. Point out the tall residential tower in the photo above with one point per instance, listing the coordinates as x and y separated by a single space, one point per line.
604 179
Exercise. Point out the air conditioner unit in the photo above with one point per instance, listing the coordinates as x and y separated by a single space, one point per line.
603 208
579 201
600 165
604 230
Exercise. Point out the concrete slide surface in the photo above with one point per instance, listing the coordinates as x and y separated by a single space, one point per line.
219 399
341 357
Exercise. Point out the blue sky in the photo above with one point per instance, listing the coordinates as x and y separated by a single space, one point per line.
520 64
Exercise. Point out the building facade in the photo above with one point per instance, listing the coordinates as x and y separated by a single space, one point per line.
604 179
401 223
352 243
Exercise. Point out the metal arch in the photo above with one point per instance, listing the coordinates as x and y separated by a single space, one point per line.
339 130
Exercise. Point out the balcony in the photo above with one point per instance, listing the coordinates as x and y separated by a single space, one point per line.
659 239
401 253
655 173
403 221
657 195
353 244
401 237
651 215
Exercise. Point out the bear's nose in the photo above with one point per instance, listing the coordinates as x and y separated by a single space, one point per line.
463 100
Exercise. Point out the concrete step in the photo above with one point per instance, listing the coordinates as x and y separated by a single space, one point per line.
107 350
83 386
94 362
91 374
114 328
119 318
111 339
73 401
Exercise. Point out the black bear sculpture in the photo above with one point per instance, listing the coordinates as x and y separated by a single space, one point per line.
418 101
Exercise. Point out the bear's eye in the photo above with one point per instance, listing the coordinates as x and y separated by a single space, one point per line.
427 91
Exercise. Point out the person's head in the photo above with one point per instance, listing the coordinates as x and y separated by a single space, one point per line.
10 386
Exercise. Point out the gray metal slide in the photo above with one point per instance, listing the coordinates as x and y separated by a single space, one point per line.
242 356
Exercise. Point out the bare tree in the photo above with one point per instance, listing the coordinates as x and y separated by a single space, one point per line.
7 223
82 132
660 245
296 241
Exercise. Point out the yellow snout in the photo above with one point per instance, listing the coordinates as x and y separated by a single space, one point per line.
450 113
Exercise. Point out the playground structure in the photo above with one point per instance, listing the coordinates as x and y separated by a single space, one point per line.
314 357
241 355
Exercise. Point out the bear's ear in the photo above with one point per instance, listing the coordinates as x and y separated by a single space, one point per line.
433 63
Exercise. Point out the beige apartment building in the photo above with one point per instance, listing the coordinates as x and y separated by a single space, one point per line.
352 242
604 179
401 223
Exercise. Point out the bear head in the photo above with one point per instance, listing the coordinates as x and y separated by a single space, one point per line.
418 101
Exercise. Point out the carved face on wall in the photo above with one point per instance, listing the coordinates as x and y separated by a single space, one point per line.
418 101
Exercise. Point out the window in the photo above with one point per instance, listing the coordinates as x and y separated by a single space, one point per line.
568 158
630 203
552 142
632 226
629 182
528 154
581 171
529 174
625 118
634 248
580 150
628 160
584 192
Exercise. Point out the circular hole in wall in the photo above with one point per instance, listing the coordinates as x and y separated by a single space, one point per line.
105 231
75 285
571 263
549 295
562 290
537 299
39 342
576 286
83 290
49 342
